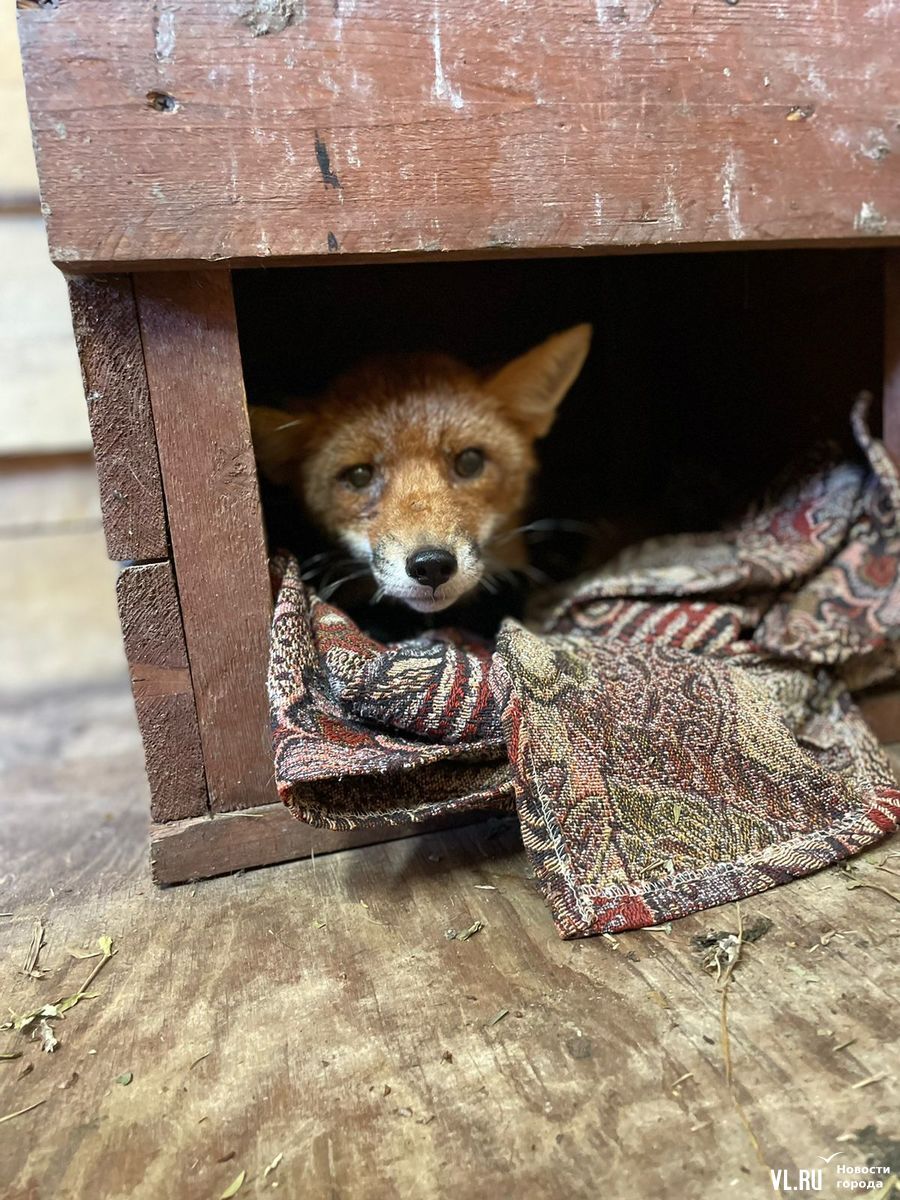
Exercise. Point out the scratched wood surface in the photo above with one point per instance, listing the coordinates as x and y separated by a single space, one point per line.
163 696
317 1010
193 365
326 998
208 130
118 405
183 851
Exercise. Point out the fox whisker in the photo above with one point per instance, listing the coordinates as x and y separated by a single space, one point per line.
548 526
512 575
338 564
387 480
506 574
314 558
344 565
328 591
535 574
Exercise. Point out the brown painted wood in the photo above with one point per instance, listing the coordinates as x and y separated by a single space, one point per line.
163 696
202 132
115 385
212 499
891 399
183 851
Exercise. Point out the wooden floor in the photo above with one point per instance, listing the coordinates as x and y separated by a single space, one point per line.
317 1013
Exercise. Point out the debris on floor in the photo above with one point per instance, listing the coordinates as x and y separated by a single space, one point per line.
476 927
720 949
31 958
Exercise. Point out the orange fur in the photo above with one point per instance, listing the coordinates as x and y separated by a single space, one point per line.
407 419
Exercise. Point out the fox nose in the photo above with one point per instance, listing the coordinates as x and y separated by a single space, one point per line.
431 566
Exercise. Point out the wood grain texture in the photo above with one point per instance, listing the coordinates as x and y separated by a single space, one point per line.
891 399
215 524
185 851
115 385
163 696
189 132
306 1010
317 1010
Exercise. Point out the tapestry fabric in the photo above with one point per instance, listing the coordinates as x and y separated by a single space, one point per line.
674 731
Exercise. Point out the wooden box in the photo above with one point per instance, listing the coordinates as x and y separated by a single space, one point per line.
472 173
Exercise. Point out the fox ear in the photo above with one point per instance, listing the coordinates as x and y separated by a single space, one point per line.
531 387
278 438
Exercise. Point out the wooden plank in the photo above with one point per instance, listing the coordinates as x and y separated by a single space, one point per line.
163 696
201 132
215 523
115 384
183 851
891 399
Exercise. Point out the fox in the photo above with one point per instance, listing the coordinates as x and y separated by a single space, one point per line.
419 467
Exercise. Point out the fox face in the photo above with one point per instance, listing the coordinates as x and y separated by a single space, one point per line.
420 467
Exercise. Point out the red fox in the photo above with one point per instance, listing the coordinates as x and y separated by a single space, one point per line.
419 466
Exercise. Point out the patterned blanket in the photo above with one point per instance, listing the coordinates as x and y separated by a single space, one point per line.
675 731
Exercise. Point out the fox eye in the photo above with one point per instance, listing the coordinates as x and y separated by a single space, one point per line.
469 463
359 476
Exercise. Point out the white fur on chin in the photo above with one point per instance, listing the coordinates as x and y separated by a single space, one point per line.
429 604
391 575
